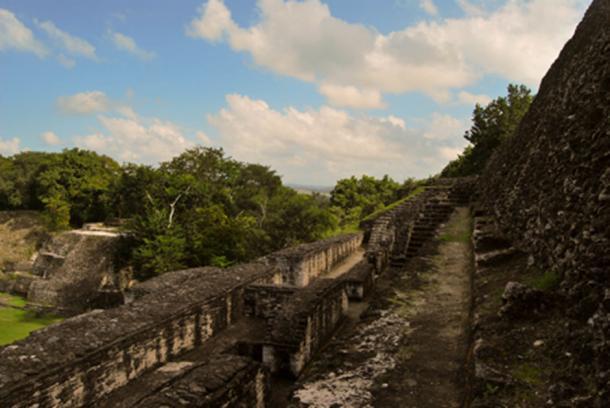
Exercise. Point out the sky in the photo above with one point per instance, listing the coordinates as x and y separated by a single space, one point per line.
316 89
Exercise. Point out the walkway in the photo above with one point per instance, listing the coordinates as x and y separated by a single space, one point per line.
409 348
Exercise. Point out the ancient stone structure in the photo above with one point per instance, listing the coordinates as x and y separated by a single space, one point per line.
74 271
549 188
69 272
302 264
397 235
214 337
207 334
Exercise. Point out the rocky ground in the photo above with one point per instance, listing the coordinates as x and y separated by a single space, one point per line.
521 355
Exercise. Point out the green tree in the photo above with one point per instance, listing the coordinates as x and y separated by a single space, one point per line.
83 180
356 198
212 210
491 126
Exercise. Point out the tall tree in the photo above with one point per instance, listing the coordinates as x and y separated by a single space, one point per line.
491 126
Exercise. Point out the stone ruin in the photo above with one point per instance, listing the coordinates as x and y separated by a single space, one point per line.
73 271
215 336
548 189
212 337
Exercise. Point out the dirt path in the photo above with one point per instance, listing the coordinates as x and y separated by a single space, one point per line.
409 348
436 300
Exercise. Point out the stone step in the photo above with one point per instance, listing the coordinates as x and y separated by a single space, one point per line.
420 239
420 227
446 208
434 220
422 235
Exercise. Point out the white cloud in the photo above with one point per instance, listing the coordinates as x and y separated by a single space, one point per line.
352 97
50 138
128 44
319 146
449 153
136 140
9 147
87 103
303 40
84 103
214 21
429 7
72 44
468 98
470 9
203 138
15 35
65 61
444 127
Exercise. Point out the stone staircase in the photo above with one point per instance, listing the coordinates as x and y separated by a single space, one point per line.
410 239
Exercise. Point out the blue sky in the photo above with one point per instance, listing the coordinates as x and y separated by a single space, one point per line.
318 90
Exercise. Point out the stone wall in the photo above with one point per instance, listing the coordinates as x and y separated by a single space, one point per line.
76 362
549 186
302 264
382 232
266 301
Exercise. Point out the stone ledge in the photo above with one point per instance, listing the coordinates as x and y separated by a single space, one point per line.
223 381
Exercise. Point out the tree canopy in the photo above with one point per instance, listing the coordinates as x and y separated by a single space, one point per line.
491 126
202 208
353 198
72 187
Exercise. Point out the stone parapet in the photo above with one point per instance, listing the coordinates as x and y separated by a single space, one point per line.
302 264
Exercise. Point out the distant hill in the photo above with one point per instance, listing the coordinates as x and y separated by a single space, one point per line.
302 188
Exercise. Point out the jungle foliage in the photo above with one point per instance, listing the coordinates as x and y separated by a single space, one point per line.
200 208
491 126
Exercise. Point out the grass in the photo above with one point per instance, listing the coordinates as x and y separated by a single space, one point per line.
15 301
528 374
549 280
456 236
346 229
459 232
16 323
395 204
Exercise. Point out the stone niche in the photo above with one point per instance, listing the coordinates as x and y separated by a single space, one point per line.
359 281
224 381
310 317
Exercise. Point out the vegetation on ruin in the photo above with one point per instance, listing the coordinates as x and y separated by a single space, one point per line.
413 193
200 208
491 126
